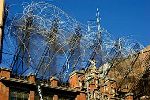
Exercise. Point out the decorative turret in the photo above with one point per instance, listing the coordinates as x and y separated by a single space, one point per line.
75 79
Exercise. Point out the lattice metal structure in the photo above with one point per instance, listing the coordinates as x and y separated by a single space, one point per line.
46 41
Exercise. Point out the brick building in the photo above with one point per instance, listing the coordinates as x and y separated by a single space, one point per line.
120 79
103 83
25 88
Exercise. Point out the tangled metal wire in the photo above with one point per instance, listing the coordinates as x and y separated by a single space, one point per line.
46 41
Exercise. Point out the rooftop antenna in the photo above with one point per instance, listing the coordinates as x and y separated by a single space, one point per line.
95 27
98 20
98 28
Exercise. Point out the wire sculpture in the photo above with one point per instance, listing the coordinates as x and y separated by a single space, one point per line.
46 41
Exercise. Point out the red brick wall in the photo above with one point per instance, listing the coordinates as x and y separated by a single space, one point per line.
5 73
31 95
54 82
73 81
55 97
4 90
129 96
31 79
82 96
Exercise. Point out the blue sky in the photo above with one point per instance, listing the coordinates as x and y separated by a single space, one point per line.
119 17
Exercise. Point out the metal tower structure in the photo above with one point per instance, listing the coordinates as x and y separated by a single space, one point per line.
46 41
94 27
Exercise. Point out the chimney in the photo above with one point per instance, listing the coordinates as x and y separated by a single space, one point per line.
31 78
54 81
74 79
129 96
4 72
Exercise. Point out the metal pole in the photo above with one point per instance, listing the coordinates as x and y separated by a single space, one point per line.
2 2
40 92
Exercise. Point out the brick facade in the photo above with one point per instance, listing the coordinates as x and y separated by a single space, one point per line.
88 84
4 90
30 84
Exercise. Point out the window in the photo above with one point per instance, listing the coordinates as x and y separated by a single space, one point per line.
65 98
47 97
105 88
18 95
105 97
